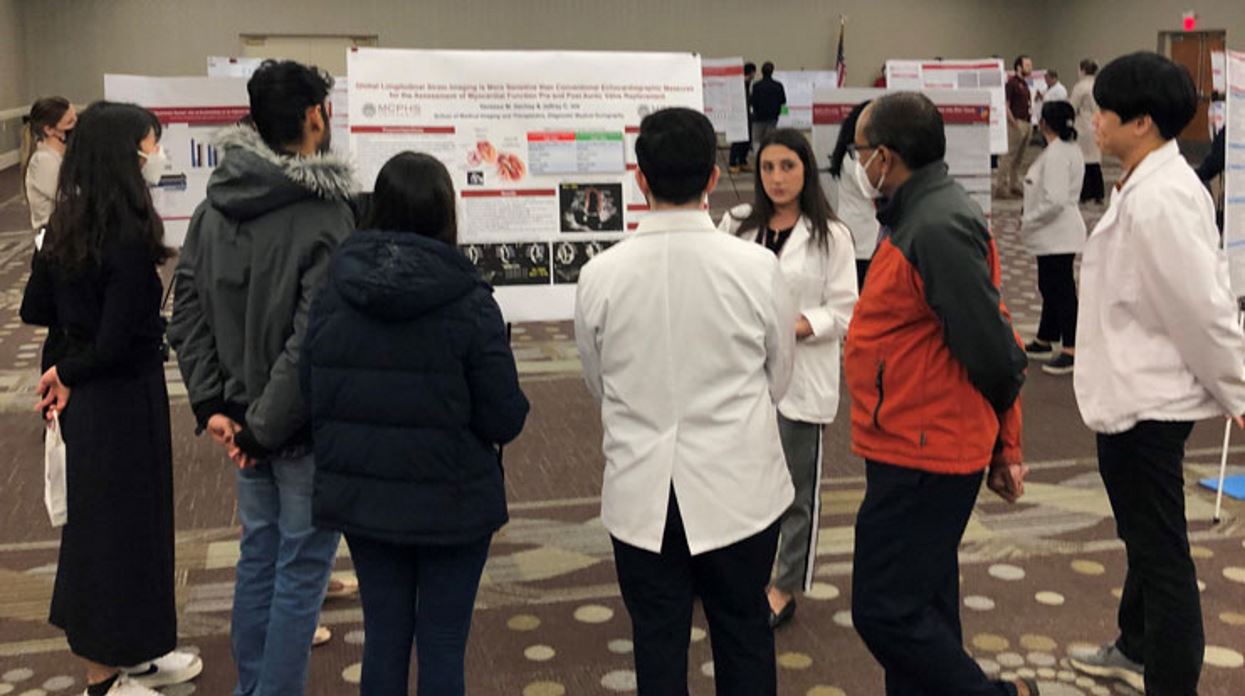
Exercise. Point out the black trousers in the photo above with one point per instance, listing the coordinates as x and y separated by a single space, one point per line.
739 153
862 270
659 590
1092 188
1160 612
906 581
1058 289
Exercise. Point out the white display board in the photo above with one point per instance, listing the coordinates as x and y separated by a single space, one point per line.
799 86
726 99
191 110
339 106
965 115
1234 172
987 73
540 144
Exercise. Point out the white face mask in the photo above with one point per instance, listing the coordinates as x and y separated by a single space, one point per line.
862 179
154 165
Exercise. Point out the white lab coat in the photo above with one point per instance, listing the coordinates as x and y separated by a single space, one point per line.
686 336
1156 335
1083 101
823 283
1056 92
856 209
1052 222
41 178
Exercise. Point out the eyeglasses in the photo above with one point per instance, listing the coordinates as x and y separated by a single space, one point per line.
853 150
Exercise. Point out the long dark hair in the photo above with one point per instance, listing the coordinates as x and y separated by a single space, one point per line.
414 193
1060 117
44 113
813 202
847 136
102 197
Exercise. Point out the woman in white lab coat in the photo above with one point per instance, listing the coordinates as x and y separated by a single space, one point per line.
1053 230
855 207
792 218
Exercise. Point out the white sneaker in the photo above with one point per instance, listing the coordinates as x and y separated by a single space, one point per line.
1108 661
124 686
174 668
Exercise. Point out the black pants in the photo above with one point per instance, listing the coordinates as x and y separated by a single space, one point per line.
862 270
906 581
1160 612
739 153
416 593
659 590
1058 289
1092 188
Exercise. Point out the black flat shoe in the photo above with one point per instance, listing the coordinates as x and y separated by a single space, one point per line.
783 616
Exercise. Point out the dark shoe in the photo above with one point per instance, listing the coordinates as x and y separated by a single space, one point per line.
783 616
1061 364
1038 349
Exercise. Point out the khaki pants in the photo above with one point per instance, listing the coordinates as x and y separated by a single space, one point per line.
1010 176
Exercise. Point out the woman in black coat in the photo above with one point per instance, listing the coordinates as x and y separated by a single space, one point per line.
413 388
95 283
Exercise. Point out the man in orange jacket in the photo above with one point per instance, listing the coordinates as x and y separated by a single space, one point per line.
934 369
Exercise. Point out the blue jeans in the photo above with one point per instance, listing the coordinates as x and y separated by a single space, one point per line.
419 593
281 578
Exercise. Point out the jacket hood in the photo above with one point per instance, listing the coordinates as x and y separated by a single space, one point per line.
400 275
252 179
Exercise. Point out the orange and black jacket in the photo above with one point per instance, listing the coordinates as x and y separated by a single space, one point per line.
932 363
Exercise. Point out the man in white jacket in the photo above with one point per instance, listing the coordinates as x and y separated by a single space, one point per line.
686 337
1159 347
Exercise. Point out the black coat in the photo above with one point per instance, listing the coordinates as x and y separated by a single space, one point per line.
412 386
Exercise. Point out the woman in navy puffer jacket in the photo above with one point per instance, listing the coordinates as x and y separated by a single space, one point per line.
412 389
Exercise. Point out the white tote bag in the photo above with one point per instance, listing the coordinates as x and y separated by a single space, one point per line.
55 496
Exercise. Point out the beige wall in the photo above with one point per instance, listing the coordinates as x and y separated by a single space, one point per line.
1105 29
77 41
12 57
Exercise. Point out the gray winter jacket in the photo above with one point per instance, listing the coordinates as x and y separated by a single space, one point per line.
255 256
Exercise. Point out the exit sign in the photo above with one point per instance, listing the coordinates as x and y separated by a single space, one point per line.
1188 20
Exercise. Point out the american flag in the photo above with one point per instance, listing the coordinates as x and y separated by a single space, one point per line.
840 61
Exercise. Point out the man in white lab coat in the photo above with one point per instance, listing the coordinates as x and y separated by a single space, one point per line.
1158 347
686 337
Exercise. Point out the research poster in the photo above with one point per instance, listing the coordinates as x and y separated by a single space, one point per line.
1234 171
799 86
965 113
191 110
540 145
339 107
988 74
726 101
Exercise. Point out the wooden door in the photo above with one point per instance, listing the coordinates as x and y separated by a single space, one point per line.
1192 50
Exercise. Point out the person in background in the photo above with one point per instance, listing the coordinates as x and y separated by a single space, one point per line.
49 126
1092 187
852 203
768 98
934 370
1055 91
1212 167
256 253
1159 347
792 218
95 280
880 81
1019 111
739 151
1054 231
414 479
686 337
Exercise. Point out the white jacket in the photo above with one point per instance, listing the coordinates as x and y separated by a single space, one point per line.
823 283
1082 100
1052 222
686 338
1157 335
855 209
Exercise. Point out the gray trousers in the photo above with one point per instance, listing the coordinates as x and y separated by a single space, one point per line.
797 540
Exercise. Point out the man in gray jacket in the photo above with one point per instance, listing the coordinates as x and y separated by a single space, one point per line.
254 257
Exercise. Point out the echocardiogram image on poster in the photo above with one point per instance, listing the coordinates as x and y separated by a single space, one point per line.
511 264
570 257
591 207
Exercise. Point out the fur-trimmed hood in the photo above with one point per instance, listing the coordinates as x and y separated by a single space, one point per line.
252 179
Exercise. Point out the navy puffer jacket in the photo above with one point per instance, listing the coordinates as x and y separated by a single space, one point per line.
412 386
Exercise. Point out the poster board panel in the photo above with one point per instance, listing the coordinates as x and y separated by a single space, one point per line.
986 73
726 102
